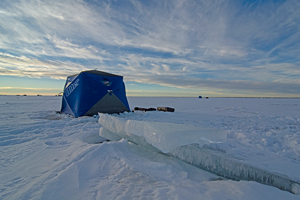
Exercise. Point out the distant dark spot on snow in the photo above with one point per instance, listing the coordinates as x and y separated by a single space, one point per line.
284 104
218 179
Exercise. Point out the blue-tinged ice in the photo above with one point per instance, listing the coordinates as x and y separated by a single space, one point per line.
223 165
163 136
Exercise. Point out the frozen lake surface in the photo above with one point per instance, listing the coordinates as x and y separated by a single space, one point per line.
45 155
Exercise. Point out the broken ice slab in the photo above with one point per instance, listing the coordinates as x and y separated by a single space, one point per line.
221 164
163 136
103 132
177 140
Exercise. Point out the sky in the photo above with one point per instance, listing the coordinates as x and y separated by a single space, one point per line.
183 48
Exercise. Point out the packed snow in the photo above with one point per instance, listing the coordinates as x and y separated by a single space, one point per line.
46 155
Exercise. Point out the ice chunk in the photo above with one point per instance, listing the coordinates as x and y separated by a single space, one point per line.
223 165
109 135
296 188
163 136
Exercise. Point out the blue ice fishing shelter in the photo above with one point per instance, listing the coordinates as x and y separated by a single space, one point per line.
93 91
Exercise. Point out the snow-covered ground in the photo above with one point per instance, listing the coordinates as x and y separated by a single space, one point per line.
45 155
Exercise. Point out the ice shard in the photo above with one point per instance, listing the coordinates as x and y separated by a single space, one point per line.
163 136
221 164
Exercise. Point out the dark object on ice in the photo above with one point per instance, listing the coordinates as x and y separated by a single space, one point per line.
91 92
207 97
166 109
200 97
144 109
102 141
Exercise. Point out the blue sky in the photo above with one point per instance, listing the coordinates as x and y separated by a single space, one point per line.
162 48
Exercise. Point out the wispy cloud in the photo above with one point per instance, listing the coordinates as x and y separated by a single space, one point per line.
213 45
23 66
215 85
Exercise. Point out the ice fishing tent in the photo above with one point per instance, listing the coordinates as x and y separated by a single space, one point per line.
90 92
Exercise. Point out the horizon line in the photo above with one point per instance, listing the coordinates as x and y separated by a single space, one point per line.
203 97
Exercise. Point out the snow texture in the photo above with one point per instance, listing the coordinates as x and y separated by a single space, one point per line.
45 155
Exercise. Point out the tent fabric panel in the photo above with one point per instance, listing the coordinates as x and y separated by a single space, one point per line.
70 95
121 94
117 86
73 99
92 92
99 79
100 73
70 79
65 107
110 104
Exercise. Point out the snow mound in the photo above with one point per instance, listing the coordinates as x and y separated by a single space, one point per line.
163 136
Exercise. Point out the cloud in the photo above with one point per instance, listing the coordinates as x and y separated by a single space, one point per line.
219 85
174 27
217 45
23 66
